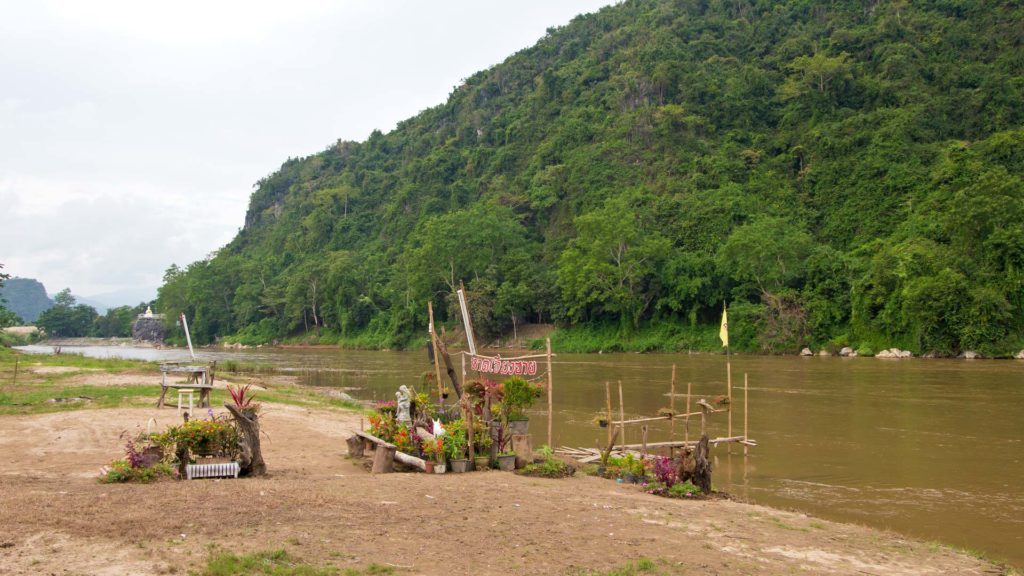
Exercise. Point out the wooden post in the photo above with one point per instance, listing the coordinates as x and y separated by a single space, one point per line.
622 418
15 371
728 373
608 398
550 396
448 364
643 441
746 412
437 361
355 446
672 409
383 459
687 423
467 414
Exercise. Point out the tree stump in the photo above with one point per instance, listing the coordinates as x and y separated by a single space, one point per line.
355 446
251 462
702 470
383 460
522 445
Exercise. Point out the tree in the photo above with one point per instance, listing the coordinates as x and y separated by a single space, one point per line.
67 319
612 264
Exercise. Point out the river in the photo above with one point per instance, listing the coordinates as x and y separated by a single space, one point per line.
929 448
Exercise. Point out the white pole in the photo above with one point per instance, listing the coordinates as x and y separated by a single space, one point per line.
466 322
188 338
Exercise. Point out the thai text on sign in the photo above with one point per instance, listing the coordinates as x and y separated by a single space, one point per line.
496 365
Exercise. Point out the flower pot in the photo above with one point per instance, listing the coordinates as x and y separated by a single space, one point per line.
481 463
439 468
459 466
507 462
428 467
518 426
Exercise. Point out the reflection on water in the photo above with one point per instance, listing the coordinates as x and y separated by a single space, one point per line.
930 448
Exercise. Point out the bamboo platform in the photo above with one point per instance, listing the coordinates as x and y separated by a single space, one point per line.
589 455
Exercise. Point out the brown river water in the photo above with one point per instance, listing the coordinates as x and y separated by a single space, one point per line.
929 448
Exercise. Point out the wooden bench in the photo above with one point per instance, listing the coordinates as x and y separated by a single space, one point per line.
384 453
197 377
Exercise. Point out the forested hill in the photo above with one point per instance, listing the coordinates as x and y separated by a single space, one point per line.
841 172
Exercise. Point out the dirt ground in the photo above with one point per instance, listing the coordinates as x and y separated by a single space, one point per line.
325 509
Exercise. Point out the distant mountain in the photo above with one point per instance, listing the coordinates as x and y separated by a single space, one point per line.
26 297
127 297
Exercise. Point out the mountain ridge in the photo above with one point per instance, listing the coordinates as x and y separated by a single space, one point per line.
836 173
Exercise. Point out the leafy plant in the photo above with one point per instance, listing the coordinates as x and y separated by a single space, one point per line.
243 398
665 471
215 435
123 471
519 395
455 443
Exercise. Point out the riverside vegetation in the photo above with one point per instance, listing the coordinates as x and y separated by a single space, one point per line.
843 173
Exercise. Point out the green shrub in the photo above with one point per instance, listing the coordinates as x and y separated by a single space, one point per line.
122 471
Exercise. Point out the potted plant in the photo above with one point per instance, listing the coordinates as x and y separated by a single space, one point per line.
502 438
482 442
433 450
455 447
518 396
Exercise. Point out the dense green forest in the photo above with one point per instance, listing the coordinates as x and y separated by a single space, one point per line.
846 172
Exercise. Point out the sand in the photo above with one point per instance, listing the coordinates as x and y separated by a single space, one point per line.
327 510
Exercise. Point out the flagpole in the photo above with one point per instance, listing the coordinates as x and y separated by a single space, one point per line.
728 369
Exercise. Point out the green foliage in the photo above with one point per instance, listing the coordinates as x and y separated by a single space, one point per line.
273 563
827 170
518 395
66 319
121 471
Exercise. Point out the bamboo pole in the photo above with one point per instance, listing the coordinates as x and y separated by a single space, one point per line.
622 415
608 398
728 372
653 418
551 383
746 411
15 371
672 408
687 423
437 352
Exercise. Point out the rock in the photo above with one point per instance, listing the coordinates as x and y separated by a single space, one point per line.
1019 355
806 352
853 354
970 355
824 352
149 330
905 354
846 351
886 354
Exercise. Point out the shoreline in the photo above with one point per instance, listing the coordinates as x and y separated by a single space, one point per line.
53 457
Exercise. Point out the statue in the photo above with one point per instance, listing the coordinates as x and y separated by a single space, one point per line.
404 400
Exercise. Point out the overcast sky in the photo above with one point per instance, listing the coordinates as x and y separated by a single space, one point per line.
131 132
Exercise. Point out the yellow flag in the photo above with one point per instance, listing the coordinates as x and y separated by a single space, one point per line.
723 333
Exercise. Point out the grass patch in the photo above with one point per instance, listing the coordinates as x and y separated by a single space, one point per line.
643 566
277 563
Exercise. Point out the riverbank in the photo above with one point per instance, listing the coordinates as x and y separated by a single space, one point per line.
325 510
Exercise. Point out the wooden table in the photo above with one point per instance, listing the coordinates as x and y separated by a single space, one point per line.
197 377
